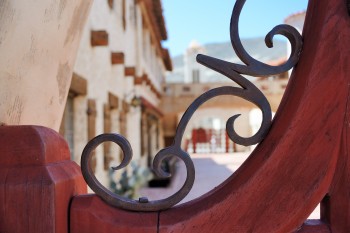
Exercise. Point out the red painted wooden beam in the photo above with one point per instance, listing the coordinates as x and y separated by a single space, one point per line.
89 214
37 180
335 208
291 171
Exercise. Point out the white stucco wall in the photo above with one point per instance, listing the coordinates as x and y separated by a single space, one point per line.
38 45
94 65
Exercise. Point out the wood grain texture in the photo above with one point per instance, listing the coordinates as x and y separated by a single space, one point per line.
89 214
335 208
291 171
37 180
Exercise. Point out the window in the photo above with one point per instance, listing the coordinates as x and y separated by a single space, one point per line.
67 125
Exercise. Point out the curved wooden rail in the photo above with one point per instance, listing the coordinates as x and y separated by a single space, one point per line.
303 158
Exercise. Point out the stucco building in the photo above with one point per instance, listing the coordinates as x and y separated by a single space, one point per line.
206 130
117 82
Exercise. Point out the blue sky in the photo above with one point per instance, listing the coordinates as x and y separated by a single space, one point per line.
207 21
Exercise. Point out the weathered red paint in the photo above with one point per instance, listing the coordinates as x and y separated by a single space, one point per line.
335 208
37 180
89 214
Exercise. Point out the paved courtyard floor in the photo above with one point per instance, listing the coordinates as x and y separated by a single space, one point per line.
211 170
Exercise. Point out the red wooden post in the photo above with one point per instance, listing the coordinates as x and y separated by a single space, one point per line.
335 207
37 180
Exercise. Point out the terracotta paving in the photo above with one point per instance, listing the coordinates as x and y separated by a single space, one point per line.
211 170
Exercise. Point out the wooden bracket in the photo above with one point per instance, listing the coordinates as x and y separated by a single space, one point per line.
99 38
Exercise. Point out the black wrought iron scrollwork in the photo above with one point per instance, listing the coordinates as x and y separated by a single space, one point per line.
247 91
143 204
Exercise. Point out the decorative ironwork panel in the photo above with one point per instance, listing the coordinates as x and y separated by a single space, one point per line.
247 91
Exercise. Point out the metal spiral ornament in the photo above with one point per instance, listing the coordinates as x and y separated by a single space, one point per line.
248 91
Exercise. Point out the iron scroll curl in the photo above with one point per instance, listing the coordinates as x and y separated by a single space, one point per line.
247 91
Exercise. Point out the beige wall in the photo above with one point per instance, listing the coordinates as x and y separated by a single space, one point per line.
94 65
38 44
